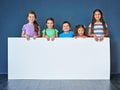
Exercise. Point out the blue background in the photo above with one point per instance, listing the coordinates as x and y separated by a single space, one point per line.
13 16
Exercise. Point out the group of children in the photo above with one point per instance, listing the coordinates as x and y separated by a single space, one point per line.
97 28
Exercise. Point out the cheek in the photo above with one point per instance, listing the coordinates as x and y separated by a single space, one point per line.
95 16
33 18
99 16
79 32
51 24
82 32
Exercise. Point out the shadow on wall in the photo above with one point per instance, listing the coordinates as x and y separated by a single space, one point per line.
113 56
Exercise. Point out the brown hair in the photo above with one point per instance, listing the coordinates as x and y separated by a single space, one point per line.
76 29
35 22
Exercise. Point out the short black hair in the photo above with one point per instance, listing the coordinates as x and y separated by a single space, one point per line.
67 23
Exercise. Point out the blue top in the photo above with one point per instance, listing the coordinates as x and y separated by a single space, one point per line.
68 35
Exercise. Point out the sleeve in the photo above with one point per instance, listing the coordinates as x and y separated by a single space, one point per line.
89 26
43 31
106 25
56 31
23 28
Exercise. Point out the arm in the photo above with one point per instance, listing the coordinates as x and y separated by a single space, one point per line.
92 35
45 36
56 35
25 36
104 35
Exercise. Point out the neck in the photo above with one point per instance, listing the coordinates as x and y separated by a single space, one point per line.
50 28
66 32
31 23
97 20
81 35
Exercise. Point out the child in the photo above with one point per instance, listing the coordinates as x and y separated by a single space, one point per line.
98 27
50 32
31 29
66 26
79 31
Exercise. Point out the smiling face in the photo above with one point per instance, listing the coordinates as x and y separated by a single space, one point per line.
50 24
66 27
31 18
81 31
97 16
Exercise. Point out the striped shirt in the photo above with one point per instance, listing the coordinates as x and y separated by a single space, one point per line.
98 28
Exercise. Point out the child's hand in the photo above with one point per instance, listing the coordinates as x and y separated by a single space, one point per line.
53 38
27 37
34 37
102 37
95 37
47 38
84 37
75 37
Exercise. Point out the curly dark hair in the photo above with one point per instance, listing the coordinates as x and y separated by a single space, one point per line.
76 29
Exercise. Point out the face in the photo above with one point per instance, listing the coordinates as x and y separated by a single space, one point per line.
66 27
50 24
97 16
81 31
31 18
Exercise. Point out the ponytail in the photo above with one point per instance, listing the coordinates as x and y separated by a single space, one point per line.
36 26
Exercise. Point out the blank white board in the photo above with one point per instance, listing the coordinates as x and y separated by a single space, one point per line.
64 58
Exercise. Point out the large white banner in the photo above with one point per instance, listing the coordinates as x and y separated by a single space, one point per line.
64 58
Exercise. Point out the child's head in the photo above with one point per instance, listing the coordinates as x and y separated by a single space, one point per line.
79 30
31 16
50 23
97 15
66 26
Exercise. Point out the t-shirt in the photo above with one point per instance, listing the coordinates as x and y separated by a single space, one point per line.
67 35
98 28
29 30
50 32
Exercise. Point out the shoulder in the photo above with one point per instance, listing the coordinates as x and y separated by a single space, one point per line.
90 24
106 24
25 25
61 34
43 31
56 30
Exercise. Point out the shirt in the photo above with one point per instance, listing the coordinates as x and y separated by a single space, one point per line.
29 30
50 32
67 35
